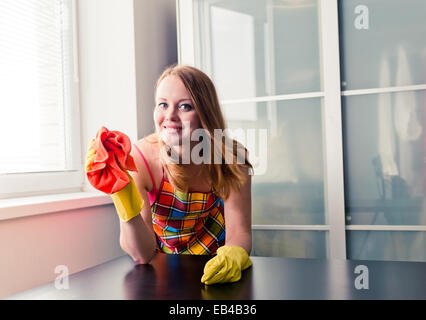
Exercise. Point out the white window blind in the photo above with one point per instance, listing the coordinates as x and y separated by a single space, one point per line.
39 111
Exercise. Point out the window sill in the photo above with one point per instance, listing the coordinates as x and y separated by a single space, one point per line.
29 206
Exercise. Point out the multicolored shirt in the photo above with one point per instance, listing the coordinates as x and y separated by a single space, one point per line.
186 223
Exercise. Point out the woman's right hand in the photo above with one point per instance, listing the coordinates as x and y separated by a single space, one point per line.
107 161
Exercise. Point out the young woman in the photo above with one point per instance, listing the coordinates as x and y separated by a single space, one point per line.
194 208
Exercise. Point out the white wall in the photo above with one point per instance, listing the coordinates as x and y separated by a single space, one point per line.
156 48
31 247
123 47
107 67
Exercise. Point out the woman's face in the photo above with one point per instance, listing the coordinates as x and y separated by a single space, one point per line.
174 115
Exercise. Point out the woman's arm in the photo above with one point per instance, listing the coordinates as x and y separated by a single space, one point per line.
238 217
233 257
137 239
137 236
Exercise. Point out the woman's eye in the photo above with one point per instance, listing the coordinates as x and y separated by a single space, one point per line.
162 105
186 107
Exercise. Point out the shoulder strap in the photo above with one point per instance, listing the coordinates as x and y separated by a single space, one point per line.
147 166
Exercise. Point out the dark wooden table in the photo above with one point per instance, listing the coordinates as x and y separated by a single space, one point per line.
171 277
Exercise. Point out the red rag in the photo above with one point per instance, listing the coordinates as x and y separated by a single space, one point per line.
111 160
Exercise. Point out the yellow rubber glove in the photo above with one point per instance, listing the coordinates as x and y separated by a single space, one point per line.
127 201
226 266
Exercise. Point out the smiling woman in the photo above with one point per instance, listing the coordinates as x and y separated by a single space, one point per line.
195 208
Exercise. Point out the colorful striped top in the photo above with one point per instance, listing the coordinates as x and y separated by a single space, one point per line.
186 223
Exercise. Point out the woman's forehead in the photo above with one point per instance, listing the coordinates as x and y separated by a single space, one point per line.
172 87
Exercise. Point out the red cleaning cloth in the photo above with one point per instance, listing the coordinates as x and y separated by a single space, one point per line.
112 158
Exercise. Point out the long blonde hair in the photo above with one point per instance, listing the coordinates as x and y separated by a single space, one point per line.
226 175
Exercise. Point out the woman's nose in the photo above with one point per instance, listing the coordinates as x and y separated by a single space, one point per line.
171 113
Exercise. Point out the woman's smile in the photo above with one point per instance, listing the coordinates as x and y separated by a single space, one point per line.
172 129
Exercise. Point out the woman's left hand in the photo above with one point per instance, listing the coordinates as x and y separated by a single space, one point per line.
226 266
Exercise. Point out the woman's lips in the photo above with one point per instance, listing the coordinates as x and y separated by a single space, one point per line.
172 129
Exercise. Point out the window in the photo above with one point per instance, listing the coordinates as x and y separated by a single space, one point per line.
340 88
39 119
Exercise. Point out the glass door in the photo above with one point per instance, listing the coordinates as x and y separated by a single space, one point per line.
267 60
383 59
